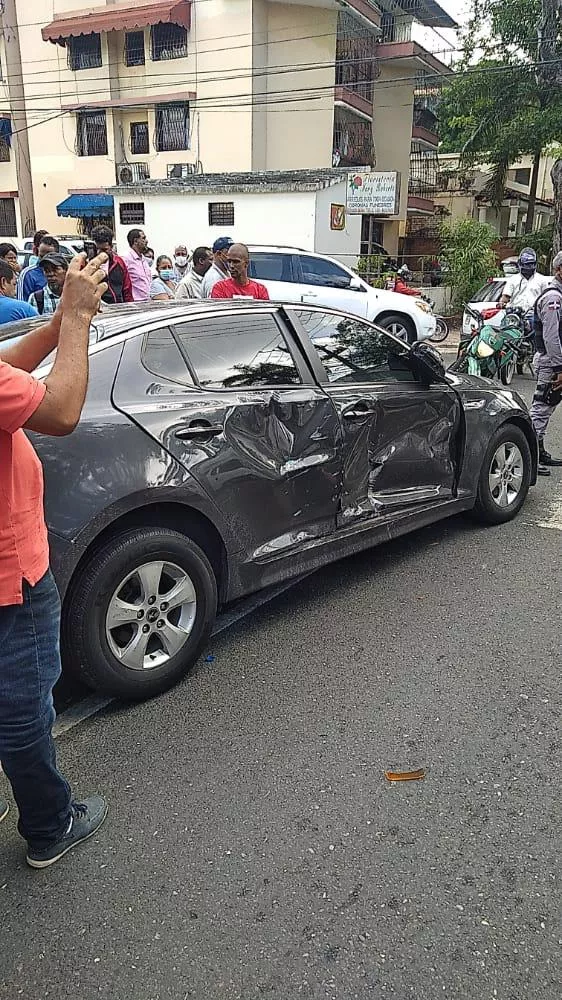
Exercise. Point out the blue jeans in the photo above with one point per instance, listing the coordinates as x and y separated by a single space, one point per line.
29 669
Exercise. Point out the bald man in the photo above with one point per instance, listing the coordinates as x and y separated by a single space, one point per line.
239 285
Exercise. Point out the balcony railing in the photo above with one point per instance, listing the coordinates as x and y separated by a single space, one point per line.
422 181
353 144
356 62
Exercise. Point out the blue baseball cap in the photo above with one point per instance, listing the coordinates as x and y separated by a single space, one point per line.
223 243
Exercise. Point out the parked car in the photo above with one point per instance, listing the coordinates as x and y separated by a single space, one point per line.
225 446
292 275
69 246
486 301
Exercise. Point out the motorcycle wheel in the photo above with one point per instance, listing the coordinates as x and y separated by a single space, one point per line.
507 371
441 331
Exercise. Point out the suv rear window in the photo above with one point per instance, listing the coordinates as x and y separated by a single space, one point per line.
271 266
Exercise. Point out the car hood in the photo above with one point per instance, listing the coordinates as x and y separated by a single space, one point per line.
394 301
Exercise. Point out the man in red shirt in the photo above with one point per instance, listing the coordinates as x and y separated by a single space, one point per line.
239 285
49 820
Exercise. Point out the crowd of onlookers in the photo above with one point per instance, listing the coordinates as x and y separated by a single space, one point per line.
220 271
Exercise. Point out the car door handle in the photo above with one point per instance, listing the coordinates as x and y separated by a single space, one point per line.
309 295
358 411
199 429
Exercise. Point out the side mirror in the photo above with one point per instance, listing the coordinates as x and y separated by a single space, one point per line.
355 285
426 363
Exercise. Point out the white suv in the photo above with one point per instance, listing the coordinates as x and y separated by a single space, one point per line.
292 275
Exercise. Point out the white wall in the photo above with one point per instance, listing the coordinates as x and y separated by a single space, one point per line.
344 245
280 218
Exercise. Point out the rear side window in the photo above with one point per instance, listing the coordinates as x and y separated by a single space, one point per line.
234 352
271 266
162 356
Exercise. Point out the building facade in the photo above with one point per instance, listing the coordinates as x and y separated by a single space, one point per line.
118 93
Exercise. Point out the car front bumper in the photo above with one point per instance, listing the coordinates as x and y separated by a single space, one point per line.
426 325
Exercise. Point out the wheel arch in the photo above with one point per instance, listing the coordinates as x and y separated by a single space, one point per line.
178 517
524 425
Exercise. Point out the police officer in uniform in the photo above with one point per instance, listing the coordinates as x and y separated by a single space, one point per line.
548 361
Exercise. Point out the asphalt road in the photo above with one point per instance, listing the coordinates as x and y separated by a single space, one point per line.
254 848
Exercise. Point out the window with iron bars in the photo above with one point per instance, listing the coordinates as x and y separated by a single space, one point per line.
172 127
91 133
168 41
134 48
356 63
221 213
423 173
353 144
84 51
4 151
139 138
131 213
8 224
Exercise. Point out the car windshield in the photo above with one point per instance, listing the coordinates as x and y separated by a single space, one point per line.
490 292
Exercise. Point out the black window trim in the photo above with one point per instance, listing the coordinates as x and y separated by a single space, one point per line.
314 358
168 378
286 331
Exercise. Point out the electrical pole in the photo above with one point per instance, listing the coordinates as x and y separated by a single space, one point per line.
549 73
16 96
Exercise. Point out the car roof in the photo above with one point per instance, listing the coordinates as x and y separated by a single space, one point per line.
117 319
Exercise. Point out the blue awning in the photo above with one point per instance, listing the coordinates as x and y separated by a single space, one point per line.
84 206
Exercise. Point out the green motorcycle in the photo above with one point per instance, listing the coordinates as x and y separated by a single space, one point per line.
494 349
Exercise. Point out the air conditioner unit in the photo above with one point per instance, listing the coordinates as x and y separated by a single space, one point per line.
180 171
130 173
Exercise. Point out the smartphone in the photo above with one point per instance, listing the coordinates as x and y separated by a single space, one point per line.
90 249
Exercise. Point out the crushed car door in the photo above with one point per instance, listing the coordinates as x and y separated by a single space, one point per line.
401 439
231 398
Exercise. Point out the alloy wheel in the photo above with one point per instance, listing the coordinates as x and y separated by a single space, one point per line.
506 474
151 615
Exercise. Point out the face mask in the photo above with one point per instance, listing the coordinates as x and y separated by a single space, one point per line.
181 261
527 270
166 274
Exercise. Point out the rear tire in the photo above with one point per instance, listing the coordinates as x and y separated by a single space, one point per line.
399 326
489 508
91 641
441 331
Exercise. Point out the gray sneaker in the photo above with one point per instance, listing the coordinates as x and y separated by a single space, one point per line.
87 817
4 809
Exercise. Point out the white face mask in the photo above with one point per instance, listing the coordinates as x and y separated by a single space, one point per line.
180 260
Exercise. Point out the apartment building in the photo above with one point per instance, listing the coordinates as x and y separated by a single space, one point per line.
119 93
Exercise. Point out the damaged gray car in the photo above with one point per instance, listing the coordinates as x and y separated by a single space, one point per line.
227 446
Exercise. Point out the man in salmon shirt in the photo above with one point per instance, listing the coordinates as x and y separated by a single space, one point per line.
50 820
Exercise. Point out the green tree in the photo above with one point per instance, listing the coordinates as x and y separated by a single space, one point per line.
467 247
505 105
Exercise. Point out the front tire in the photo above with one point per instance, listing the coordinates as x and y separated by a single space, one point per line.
399 326
139 613
507 371
505 476
441 331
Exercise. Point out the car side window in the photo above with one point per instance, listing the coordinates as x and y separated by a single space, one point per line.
238 352
354 352
318 271
271 266
162 356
